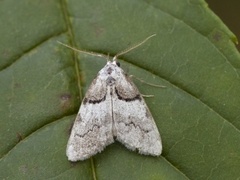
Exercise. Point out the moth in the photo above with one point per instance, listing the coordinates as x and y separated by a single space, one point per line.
113 108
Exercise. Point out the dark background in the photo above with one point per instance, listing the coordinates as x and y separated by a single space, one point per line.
229 13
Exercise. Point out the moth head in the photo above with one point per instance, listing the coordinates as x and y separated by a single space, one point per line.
113 64
116 62
111 69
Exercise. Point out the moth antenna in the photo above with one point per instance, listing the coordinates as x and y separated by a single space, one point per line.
150 84
108 57
85 52
132 47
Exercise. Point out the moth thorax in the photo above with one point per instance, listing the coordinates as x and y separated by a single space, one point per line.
109 70
110 81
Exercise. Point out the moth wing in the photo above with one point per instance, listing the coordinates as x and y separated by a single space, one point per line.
133 122
92 129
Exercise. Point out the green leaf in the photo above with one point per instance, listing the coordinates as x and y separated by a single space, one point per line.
42 84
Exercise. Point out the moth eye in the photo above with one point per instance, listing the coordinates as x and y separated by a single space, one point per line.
118 64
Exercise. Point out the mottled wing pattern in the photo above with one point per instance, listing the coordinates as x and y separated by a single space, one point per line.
92 129
133 123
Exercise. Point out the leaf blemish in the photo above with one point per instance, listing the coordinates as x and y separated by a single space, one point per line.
217 36
65 97
65 101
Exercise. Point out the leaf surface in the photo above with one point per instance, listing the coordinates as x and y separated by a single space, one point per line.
43 83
